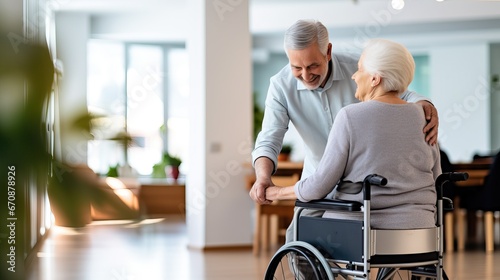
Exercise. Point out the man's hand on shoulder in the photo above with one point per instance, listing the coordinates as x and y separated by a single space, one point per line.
431 115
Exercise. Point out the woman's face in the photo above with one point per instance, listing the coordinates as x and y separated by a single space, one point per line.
363 81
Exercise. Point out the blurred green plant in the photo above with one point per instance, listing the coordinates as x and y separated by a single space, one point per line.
26 85
26 75
286 149
258 117
113 171
170 160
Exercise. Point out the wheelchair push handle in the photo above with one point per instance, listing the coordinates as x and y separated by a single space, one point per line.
376 180
449 177
372 179
458 176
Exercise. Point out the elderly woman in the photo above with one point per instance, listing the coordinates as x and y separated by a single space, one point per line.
382 135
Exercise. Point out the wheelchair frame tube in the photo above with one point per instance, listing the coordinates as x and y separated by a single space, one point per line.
439 193
439 269
367 238
296 216
366 227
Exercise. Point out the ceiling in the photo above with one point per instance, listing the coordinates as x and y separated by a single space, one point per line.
269 18
267 15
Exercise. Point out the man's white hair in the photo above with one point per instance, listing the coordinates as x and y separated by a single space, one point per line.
303 33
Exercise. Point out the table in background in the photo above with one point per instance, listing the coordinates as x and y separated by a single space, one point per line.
288 168
163 196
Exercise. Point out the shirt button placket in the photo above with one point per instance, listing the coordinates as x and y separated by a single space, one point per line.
326 108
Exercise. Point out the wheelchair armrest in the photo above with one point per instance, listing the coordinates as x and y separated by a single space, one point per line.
447 204
330 204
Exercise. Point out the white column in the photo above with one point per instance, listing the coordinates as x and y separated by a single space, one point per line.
219 46
72 34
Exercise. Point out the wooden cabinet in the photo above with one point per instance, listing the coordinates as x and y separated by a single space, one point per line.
163 197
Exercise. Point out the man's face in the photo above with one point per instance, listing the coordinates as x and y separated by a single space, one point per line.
310 66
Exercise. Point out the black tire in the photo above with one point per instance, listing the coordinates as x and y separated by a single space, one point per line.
286 262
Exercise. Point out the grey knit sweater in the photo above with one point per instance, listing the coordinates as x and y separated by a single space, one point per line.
386 139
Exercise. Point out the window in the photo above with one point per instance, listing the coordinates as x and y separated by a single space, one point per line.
131 85
420 83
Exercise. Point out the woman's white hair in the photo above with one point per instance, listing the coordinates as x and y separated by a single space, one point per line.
391 61
303 33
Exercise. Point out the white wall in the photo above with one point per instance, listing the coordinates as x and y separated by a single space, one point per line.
460 91
72 33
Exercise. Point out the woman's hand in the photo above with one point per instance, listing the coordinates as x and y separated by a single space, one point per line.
280 193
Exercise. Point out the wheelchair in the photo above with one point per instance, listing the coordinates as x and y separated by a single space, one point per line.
326 248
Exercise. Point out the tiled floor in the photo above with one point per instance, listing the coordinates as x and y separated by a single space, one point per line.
157 249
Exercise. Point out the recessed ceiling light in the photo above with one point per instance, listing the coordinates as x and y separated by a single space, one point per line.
398 4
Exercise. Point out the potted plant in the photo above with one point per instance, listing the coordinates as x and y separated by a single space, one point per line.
172 164
167 167
69 195
285 152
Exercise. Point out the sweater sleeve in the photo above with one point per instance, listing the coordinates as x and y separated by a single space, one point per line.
332 165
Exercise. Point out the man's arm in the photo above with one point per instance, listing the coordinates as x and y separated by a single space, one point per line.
274 126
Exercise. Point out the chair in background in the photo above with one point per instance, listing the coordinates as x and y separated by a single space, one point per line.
271 220
486 198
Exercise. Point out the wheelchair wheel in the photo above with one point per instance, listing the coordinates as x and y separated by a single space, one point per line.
298 261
